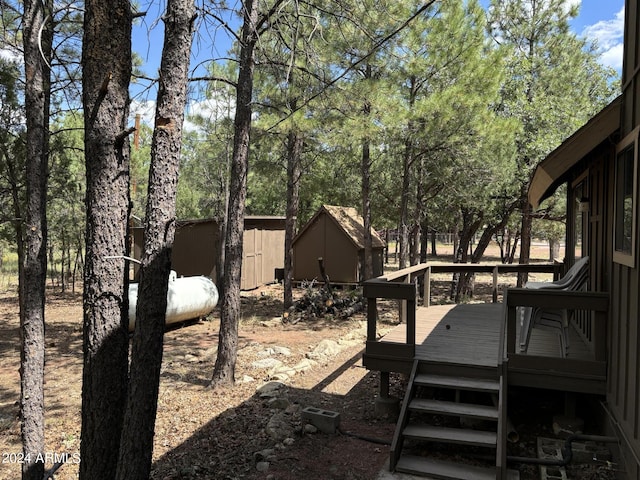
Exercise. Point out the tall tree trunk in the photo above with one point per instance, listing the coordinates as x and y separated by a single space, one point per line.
463 284
222 212
136 445
224 369
525 240
554 249
106 61
367 272
294 171
418 233
36 36
403 232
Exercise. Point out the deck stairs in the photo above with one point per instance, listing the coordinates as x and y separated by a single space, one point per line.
452 412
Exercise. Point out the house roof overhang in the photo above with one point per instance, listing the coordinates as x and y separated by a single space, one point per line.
550 171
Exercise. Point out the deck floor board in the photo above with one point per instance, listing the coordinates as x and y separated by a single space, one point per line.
469 334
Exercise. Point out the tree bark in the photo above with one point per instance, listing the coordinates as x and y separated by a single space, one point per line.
36 36
525 240
462 283
136 444
294 171
367 270
554 249
403 232
106 62
224 369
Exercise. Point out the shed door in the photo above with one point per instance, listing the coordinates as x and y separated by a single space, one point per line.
248 279
252 271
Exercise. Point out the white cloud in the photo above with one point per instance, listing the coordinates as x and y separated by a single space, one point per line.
9 55
210 109
146 110
609 35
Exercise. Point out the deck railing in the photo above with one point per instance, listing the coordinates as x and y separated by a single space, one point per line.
402 285
595 302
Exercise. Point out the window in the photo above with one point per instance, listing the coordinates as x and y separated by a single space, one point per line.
626 200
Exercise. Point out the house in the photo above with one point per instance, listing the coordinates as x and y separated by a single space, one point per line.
335 234
599 165
196 248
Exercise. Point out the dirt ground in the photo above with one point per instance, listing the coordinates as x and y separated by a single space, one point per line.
239 432
215 434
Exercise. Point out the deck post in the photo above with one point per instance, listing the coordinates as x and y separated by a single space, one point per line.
426 288
511 328
411 321
385 405
372 318
495 284
403 303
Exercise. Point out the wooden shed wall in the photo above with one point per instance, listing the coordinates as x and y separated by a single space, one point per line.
194 249
196 244
323 238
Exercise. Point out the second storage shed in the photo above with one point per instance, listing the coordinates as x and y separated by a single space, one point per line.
337 235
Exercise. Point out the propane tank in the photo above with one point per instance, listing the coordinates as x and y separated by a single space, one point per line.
187 298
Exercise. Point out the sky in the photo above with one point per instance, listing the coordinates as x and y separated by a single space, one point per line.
601 21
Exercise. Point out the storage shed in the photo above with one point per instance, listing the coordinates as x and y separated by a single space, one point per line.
197 241
337 235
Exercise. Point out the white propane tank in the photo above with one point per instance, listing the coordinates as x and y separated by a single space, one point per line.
187 298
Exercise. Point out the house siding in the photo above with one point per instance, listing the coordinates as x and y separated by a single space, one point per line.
623 397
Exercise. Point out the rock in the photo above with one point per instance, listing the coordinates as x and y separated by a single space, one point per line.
247 379
267 363
304 365
293 408
280 377
279 426
262 466
280 403
288 441
191 358
270 389
268 352
325 349
266 454
284 351
308 428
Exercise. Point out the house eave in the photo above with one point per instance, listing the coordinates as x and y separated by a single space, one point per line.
551 170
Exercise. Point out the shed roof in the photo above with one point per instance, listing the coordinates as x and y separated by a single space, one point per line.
349 221
549 172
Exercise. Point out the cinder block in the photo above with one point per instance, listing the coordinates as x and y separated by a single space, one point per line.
551 448
324 420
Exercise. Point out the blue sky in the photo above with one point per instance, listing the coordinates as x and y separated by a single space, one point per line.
601 21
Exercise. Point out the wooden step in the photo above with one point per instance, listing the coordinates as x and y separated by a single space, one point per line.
478 438
458 383
441 469
467 410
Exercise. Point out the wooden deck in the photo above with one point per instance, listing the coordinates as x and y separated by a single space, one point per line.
467 337
483 339
470 334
